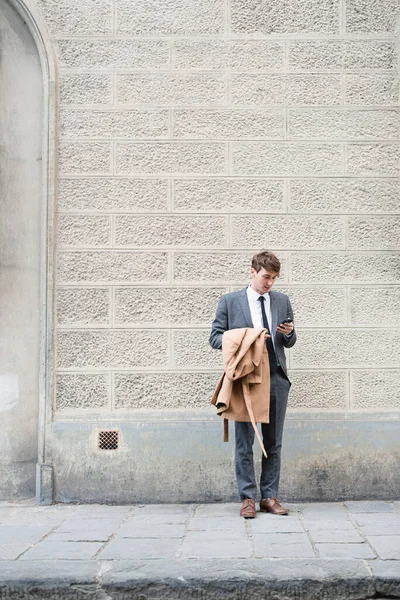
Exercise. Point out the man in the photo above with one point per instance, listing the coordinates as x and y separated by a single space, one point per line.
257 306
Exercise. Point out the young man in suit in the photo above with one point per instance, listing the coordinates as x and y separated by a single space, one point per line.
258 306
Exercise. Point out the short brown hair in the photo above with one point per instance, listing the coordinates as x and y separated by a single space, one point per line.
266 260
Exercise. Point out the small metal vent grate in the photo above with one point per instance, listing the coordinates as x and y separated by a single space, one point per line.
108 440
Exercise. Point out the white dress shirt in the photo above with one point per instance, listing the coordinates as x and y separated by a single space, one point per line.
255 310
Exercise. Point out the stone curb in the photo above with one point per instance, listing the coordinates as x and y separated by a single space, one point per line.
224 579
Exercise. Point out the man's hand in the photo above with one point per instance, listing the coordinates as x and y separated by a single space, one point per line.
285 328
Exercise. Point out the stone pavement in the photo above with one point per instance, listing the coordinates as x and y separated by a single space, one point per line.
321 551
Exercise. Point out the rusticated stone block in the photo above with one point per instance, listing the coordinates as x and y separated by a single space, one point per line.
375 307
113 349
202 124
85 88
76 123
82 306
367 16
82 391
345 267
171 88
266 89
216 267
166 306
374 233
113 194
192 350
287 231
317 306
371 88
239 55
343 348
373 159
83 230
164 390
170 157
344 54
318 390
375 389
109 54
313 88
344 195
344 124
109 266
175 231
286 16
257 89
216 195
85 157
171 17
77 17
251 158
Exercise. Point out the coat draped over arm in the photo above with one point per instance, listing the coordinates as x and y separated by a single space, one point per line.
242 393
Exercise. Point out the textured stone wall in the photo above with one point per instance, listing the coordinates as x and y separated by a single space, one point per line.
192 134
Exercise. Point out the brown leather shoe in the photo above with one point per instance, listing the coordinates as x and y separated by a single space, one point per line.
272 505
248 510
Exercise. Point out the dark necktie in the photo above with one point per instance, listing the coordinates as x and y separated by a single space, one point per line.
273 364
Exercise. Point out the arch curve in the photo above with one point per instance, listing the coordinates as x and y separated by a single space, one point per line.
34 21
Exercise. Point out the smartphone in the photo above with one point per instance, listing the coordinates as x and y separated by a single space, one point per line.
287 321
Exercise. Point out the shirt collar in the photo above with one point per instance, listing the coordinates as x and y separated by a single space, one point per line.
255 295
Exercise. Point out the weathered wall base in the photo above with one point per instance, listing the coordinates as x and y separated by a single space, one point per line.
44 484
17 479
183 459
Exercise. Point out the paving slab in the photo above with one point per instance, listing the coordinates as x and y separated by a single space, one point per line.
79 536
376 529
166 518
13 517
217 550
169 511
272 524
150 530
323 510
128 548
386 546
370 507
28 533
210 536
283 545
338 536
327 524
12 550
383 519
345 551
62 550
14 541
198 552
74 522
216 524
214 544
218 510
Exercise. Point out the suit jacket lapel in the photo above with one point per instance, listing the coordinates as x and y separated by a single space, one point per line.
274 312
244 305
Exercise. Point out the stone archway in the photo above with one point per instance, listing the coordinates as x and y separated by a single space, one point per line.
26 209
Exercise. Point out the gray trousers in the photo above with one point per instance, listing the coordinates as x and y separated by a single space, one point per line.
272 438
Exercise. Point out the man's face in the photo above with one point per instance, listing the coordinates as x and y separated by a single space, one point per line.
262 281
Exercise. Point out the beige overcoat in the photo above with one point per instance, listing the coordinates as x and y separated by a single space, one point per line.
242 393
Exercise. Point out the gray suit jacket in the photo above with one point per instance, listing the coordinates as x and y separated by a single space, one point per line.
233 312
